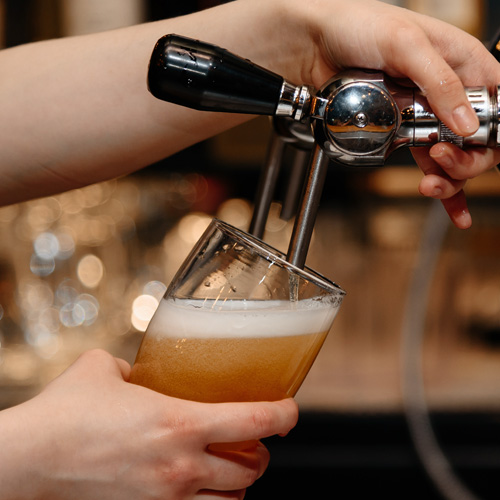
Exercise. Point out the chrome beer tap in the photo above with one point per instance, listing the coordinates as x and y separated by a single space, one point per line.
358 118
286 133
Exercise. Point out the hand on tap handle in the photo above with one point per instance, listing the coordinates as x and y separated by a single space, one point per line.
359 116
91 118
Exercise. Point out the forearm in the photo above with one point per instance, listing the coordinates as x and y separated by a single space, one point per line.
18 453
77 110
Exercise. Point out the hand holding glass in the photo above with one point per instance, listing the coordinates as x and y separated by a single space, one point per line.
237 323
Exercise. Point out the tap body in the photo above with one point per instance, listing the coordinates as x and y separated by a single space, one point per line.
360 117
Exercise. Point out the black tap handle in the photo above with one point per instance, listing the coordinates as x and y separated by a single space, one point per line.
202 76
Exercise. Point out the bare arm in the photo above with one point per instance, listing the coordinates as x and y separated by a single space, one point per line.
76 111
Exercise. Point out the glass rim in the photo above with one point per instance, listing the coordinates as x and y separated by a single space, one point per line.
269 252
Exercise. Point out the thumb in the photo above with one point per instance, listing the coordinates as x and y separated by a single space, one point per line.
98 363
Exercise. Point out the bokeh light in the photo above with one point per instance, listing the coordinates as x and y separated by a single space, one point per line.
46 246
192 226
155 288
90 271
143 309
40 266
237 212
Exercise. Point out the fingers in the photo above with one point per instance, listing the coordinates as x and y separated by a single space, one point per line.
440 59
446 171
255 455
456 207
446 94
418 58
95 365
439 185
436 182
98 361
464 164
222 495
239 426
236 470
237 422
124 368
229 433
447 167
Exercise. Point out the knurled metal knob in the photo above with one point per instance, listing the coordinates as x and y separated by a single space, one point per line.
447 135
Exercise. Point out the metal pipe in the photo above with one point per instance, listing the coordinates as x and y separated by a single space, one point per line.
267 186
295 183
306 216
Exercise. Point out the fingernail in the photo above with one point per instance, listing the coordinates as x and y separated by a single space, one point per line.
436 192
463 220
465 119
442 157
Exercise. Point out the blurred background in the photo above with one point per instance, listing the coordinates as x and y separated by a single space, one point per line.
86 269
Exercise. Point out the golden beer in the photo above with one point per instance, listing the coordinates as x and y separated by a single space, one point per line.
238 351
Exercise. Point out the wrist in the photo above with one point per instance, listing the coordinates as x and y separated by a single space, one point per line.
296 47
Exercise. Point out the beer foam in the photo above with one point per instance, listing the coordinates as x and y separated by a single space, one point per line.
240 318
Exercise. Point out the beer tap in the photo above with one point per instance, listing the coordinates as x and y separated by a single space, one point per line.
357 118
286 133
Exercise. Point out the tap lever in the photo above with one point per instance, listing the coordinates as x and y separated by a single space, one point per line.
202 76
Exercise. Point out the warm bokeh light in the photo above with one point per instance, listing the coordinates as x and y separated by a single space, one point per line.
237 212
143 309
35 294
191 227
90 271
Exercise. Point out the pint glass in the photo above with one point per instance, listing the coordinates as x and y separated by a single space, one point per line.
237 323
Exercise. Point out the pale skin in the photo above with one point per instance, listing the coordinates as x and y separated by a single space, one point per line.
90 434
77 111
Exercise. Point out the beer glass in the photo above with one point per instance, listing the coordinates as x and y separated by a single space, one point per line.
237 323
